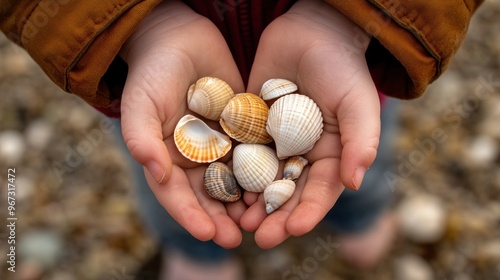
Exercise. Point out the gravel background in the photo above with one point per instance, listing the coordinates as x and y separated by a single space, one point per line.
77 218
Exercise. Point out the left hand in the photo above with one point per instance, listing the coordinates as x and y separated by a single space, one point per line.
324 53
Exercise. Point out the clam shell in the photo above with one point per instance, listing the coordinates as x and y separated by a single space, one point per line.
198 142
295 123
293 167
220 182
277 193
244 119
208 96
274 88
254 166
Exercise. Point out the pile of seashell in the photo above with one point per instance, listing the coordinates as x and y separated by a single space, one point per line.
293 121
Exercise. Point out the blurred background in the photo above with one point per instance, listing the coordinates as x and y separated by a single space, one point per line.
77 217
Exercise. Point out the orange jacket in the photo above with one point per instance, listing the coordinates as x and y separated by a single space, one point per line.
76 42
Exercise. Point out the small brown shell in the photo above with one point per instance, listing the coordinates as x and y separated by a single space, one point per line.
244 119
293 167
220 183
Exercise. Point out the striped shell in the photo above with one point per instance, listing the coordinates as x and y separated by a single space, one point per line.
208 97
255 166
293 167
277 193
295 123
220 183
275 88
198 142
244 119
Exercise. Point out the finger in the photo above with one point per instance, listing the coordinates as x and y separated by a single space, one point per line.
255 214
272 230
142 131
177 197
359 124
227 233
321 191
235 210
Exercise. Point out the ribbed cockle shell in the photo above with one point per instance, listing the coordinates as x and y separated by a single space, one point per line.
295 123
244 119
220 182
208 97
293 167
275 88
198 142
277 193
255 166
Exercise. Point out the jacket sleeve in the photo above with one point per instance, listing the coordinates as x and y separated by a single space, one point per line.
414 39
76 42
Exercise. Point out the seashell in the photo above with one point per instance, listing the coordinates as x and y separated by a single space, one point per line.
295 123
275 88
277 193
208 97
254 166
293 167
220 183
198 142
244 119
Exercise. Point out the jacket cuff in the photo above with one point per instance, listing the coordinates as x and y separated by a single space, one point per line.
78 44
414 41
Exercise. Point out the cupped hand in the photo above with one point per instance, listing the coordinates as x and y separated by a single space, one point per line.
171 49
324 53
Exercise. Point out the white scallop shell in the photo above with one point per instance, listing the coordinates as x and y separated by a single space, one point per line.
254 166
208 96
295 123
274 88
277 193
198 142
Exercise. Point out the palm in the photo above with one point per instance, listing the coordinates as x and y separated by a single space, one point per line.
165 55
337 81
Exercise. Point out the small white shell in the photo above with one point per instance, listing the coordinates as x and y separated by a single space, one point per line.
254 166
208 97
198 142
295 123
293 167
277 193
275 88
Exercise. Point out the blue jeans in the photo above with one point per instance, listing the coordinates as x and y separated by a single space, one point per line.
354 211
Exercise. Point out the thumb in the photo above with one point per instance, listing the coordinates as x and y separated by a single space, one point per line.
142 132
359 122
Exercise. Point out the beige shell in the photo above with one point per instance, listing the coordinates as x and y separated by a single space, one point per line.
208 97
198 142
295 123
293 167
277 193
244 119
275 88
255 166
220 183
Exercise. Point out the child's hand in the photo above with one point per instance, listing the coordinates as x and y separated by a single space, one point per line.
323 52
170 50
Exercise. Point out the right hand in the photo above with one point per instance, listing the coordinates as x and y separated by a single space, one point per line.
171 49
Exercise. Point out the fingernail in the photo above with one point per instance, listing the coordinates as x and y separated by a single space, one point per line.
357 179
156 170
